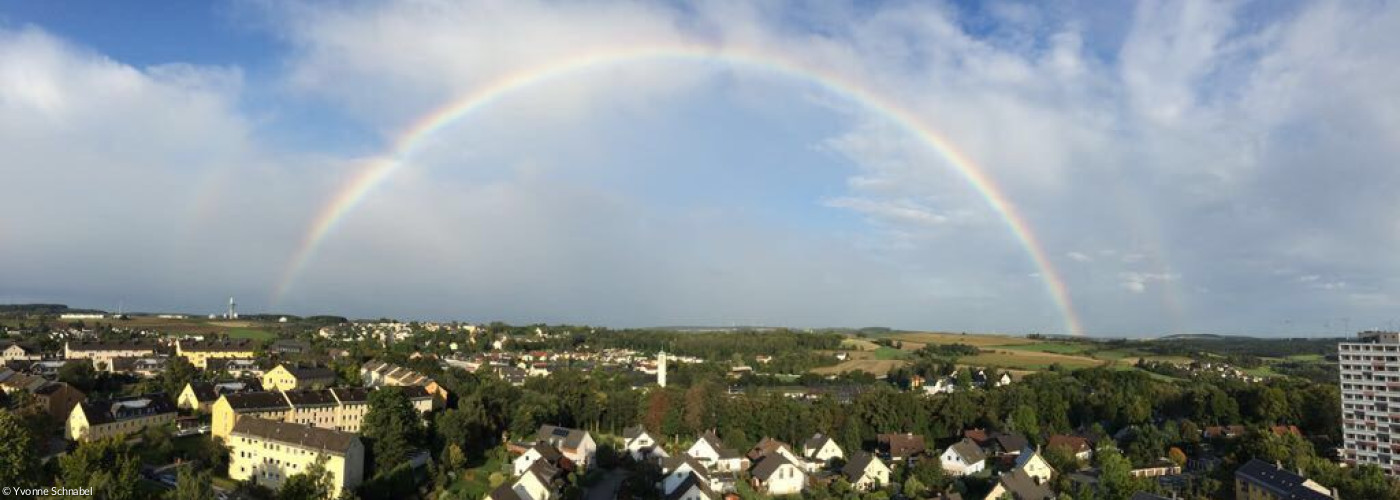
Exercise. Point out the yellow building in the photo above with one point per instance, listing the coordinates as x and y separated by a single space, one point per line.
341 408
95 420
200 352
200 396
229 407
291 378
266 452
102 353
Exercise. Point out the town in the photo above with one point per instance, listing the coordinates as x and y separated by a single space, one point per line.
324 407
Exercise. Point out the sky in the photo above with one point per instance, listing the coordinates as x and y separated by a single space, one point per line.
1122 169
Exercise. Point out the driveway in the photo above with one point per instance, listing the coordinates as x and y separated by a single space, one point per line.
606 489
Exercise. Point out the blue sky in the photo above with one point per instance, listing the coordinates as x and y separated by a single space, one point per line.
1186 166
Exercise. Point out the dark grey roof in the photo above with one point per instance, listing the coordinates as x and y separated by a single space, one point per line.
303 372
203 391
102 412
856 467
816 442
1010 442
506 491
114 345
1022 486
411 391
1281 482
218 345
303 398
548 452
690 482
901 445
766 465
257 401
351 394
562 437
304 436
633 432
968 449
669 465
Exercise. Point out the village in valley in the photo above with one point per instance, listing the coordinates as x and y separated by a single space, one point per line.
290 407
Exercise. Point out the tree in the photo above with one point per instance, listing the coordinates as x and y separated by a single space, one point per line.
178 373
913 487
80 374
19 463
392 427
1177 456
1115 474
192 485
312 484
107 466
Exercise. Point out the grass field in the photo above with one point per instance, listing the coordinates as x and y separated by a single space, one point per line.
1053 347
954 338
859 344
875 366
1028 360
250 333
475 482
887 353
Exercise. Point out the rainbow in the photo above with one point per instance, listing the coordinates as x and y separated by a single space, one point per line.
378 170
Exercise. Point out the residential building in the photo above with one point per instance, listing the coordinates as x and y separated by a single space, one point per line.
1078 446
290 378
237 368
1260 480
640 445
900 447
267 452
540 451
18 352
58 399
230 407
821 448
769 445
866 472
200 395
380 374
709 450
774 474
963 457
143 366
101 353
200 352
679 472
96 420
1019 485
1034 465
1370 382
578 446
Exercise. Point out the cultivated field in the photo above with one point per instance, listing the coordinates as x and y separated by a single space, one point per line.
955 338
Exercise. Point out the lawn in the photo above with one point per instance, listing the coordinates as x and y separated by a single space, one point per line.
1028 360
475 482
969 339
888 353
873 366
1055 347
250 333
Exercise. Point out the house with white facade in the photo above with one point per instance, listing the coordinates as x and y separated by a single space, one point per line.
822 449
640 445
866 472
962 458
774 474
710 451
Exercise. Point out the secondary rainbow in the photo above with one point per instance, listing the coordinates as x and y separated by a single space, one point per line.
380 169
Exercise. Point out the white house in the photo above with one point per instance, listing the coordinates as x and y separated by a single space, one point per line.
710 451
576 445
1034 465
640 445
680 470
963 457
822 449
540 451
774 474
866 472
941 385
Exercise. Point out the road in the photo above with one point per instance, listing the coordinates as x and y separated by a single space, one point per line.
606 489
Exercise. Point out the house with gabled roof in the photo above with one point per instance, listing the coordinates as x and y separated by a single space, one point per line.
1018 485
677 470
822 449
773 473
1034 465
900 447
540 451
97 420
1260 480
709 450
963 457
577 445
640 445
866 472
291 377
769 445
1077 445
267 452
691 488
200 395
